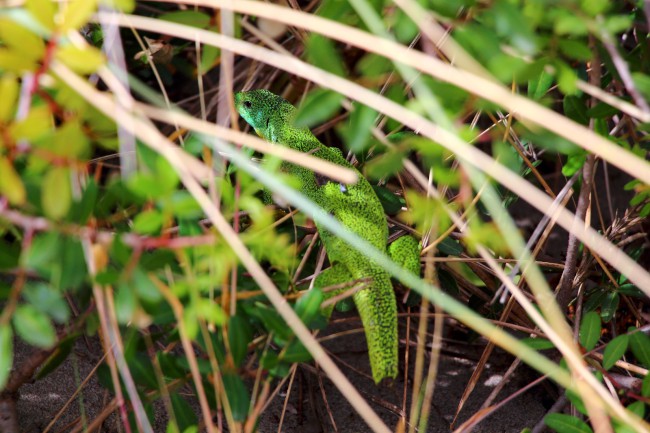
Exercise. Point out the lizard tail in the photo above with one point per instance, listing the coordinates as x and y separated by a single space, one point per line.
378 310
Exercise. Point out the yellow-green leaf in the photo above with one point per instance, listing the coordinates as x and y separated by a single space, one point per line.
11 185
37 123
211 312
9 91
43 11
125 6
71 141
56 195
77 13
21 40
82 61
12 61
148 222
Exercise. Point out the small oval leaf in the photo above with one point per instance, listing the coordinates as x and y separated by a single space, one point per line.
590 330
6 354
34 327
77 13
615 350
640 345
11 185
56 195
82 61
566 423
319 105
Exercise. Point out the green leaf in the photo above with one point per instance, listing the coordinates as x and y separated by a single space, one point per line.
6 354
617 23
405 29
590 330
33 326
56 195
240 334
319 105
211 312
576 401
308 306
615 350
140 366
538 343
47 300
391 202
574 163
43 250
272 321
148 222
358 133
296 352
602 111
125 304
69 141
142 285
9 254
640 345
43 11
188 18
450 246
566 423
645 386
81 60
209 56
76 14
72 264
384 165
576 109
166 174
609 306
321 52
575 49
595 7
630 290
570 24
506 155
538 87
566 78
84 208
637 408
373 65
11 185
238 395
183 412
642 82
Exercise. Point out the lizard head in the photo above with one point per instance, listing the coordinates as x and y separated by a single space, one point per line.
258 108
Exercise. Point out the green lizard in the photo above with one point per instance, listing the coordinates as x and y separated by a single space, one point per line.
358 209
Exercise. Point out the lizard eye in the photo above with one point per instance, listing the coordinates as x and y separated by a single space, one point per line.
248 104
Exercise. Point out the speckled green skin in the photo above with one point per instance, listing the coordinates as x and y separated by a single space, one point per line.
357 208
